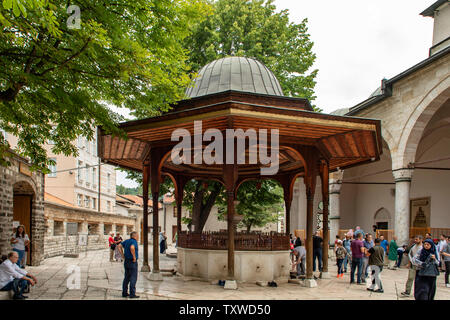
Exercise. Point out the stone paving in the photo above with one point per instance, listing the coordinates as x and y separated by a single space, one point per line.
102 280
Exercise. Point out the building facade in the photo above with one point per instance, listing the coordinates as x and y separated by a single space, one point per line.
405 192
22 203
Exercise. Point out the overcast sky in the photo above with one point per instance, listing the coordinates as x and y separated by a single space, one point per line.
357 43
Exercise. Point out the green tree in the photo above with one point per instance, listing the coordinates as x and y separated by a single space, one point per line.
260 203
56 81
254 29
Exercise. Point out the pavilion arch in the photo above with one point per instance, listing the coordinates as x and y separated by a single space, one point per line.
436 98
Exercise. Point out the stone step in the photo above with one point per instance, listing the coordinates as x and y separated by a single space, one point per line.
6 295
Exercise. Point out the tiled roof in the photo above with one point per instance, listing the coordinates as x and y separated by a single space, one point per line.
138 200
51 198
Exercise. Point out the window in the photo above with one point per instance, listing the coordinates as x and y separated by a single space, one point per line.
79 200
174 211
94 178
94 146
87 202
86 174
87 146
108 206
79 174
52 133
4 134
80 142
94 203
52 168
58 228
108 181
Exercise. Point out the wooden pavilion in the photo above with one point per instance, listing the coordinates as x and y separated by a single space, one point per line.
311 145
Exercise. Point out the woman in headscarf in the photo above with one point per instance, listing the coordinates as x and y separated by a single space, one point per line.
425 286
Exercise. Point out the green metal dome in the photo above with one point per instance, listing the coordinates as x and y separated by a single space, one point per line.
234 73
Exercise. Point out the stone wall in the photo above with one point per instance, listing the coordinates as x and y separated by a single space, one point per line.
59 242
17 178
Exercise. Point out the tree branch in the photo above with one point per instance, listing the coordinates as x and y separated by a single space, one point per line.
67 60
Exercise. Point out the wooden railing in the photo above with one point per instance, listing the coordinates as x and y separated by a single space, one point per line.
242 241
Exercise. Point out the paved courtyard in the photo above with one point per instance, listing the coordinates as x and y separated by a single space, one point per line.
101 280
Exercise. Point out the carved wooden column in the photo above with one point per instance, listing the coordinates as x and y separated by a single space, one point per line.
230 178
310 182
181 182
287 182
324 175
146 174
155 182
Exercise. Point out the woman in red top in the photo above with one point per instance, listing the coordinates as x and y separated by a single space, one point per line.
112 247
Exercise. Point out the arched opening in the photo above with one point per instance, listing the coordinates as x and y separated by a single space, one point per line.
430 184
23 198
359 185
260 205
382 219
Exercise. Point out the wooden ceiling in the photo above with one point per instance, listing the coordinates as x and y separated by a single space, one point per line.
342 141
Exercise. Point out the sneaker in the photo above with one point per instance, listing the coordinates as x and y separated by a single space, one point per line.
361 283
405 294
369 289
125 295
134 297
379 291
338 276
18 298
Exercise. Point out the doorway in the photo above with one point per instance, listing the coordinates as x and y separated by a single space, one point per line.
23 212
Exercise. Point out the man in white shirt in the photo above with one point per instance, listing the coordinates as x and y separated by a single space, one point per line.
412 268
12 277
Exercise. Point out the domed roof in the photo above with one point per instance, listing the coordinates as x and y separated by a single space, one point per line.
234 73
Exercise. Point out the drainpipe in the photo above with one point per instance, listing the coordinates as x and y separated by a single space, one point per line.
99 175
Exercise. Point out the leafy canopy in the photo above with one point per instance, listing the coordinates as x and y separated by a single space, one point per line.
56 81
255 29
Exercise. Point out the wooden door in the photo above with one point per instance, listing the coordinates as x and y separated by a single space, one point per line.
22 213
174 232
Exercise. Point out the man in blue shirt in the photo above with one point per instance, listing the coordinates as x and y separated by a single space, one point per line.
130 248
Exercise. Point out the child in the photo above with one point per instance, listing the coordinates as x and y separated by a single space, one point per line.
340 255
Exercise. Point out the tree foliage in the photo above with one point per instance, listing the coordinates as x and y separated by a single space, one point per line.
56 81
255 29
260 203
252 29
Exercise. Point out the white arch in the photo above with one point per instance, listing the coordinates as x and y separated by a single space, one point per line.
417 121
382 215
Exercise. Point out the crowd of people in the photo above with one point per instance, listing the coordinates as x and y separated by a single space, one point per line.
362 254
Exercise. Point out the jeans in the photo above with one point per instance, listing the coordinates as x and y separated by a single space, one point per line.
347 260
410 281
301 269
356 263
317 253
131 273
162 246
17 285
447 271
364 272
339 264
399 260
376 281
21 254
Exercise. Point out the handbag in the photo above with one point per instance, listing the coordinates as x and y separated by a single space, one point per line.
429 269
